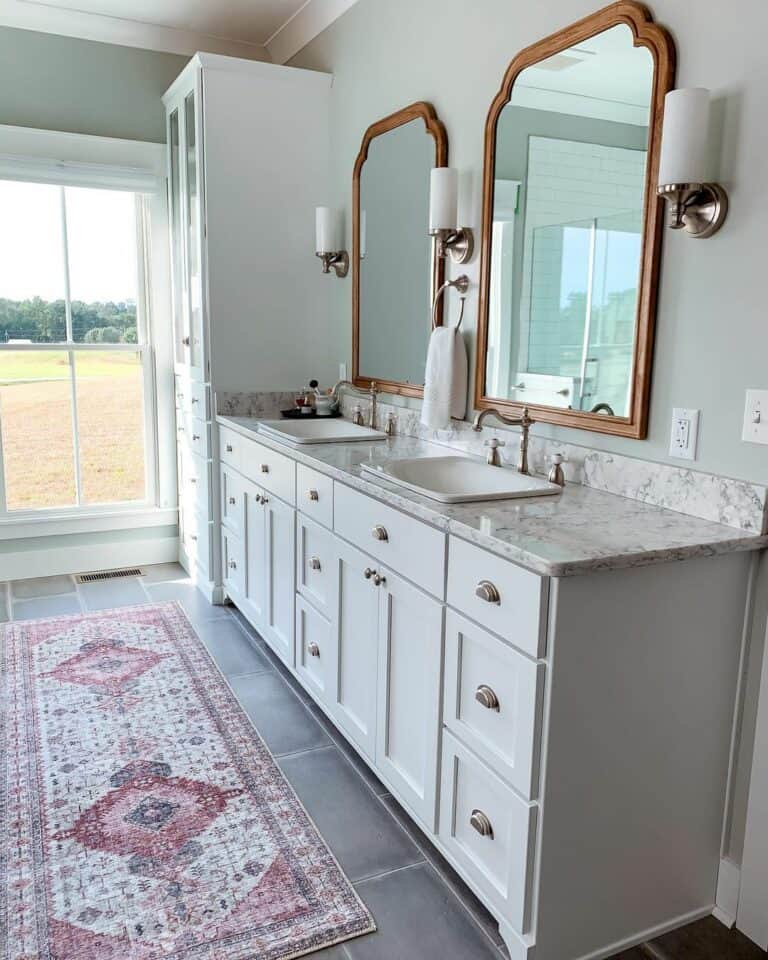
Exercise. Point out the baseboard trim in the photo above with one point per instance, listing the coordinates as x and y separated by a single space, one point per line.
728 888
56 561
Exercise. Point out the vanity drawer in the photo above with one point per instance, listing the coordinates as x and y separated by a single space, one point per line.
233 563
489 830
233 488
195 482
313 648
195 435
314 564
270 469
492 702
193 398
230 446
196 540
498 594
409 547
314 495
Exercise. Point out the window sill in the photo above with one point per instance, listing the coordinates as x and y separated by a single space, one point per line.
61 524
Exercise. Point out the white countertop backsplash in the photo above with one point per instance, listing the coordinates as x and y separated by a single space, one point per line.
584 529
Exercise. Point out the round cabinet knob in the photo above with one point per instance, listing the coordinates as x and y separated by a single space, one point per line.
186 341
378 580
195 400
232 501
481 823
314 495
485 590
487 698
193 480
264 501
195 436
314 563
193 537
265 468
368 573
313 650
380 533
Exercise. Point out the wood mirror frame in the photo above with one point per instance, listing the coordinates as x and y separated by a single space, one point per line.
658 41
433 127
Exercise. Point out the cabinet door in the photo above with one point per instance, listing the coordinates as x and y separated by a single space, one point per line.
192 212
352 687
409 676
181 333
280 552
255 601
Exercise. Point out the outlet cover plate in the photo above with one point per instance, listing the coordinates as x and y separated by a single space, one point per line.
684 436
755 428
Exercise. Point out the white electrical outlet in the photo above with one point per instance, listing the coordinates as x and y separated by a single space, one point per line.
342 371
756 417
685 433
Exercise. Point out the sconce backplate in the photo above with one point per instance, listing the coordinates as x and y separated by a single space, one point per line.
698 208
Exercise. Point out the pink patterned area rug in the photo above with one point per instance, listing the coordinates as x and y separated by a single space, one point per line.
142 816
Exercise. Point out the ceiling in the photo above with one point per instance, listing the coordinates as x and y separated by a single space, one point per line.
272 29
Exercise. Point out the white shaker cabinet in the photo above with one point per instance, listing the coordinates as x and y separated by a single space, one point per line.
355 640
408 698
247 164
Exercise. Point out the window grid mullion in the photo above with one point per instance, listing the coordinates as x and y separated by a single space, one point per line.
70 353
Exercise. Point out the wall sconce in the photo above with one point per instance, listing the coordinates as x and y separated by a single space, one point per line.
329 241
695 204
457 242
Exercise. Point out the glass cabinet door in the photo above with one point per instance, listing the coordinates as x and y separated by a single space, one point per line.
180 325
192 239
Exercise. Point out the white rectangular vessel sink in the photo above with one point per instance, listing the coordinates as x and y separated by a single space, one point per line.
460 480
317 430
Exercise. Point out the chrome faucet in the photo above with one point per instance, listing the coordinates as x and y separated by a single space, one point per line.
353 388
525 422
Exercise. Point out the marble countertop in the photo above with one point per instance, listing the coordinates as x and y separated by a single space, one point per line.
580 531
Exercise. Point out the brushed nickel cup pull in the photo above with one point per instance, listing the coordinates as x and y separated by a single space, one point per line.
229 448
487 698
313 649
195 400
314 563
368 573
232 565
232 501
379 579
380 533
186 341
265 468
314 495
481 823
485 590
195 436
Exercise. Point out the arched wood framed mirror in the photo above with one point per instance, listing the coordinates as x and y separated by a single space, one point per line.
395 268
572 225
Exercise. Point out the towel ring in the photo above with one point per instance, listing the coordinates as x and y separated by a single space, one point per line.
462 285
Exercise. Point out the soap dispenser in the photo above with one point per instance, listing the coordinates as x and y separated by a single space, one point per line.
556 473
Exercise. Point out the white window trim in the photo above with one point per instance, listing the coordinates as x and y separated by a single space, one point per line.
80 160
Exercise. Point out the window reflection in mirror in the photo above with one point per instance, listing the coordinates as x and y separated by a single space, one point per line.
567 234
393 260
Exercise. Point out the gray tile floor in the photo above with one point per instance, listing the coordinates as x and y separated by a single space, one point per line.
422 908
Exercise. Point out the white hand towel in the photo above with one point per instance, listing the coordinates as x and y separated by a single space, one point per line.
445 386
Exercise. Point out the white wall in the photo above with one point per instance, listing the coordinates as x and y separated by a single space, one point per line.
712 340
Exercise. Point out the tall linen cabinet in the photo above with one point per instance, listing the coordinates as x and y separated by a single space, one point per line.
247 163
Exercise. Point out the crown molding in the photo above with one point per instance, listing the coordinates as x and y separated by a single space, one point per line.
309 21
44 18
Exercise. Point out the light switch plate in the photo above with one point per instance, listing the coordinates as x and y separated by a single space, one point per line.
685 433
756 417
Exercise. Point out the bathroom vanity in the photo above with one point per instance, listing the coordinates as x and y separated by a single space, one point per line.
546 685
